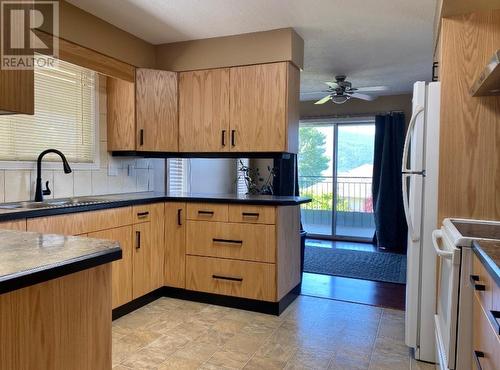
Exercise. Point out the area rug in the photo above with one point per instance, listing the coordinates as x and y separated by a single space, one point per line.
377 266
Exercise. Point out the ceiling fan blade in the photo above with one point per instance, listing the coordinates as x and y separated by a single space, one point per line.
333 85
314 92
324 100
362 96
373 88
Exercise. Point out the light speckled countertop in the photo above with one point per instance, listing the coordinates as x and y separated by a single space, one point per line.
27 258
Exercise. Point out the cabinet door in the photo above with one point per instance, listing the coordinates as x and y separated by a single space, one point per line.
157 113
121 269
204 111
17 91
258 113
157 245
175 244
19 225
120 114
142 256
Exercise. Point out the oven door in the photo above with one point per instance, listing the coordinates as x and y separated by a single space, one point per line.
448 275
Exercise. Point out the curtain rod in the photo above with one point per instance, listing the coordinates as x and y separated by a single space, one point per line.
354 115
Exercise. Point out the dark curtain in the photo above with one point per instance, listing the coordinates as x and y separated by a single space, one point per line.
390 222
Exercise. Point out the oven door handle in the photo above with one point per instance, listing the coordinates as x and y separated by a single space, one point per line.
438 234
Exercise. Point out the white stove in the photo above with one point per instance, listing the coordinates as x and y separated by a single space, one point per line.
453 317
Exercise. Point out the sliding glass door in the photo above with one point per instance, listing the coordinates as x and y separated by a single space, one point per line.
335 170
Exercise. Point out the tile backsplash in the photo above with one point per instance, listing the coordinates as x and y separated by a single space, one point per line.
114 175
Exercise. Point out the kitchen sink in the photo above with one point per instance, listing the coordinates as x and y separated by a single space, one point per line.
54 203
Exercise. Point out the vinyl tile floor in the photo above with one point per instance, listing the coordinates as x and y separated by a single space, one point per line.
312 333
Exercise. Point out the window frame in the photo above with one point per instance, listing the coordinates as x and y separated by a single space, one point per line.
51 165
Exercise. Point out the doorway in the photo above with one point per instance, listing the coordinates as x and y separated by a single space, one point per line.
335 170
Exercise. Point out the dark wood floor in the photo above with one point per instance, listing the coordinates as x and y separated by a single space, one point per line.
375 293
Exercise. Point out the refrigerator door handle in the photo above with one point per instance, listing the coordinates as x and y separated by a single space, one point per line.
406 172
411 231
406 148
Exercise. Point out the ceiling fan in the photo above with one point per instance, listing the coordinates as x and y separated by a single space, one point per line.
341 91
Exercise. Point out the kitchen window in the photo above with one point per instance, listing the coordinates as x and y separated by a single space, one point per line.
65 118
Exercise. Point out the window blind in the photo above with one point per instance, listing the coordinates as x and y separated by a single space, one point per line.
241 187
177 175
64 117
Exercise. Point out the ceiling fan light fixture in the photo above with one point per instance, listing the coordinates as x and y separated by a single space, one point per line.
340 99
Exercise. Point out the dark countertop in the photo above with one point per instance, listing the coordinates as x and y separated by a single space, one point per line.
123 200
28 258
488 253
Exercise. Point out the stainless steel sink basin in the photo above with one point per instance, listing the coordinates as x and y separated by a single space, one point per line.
55 203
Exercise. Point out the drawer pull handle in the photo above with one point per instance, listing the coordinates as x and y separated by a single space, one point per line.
142 214
250 214
477 355
228 241
201 212
230 278
223 137
137 240
141 137
474 279
179 217
233 139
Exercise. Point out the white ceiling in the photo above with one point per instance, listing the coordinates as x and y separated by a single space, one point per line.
374 42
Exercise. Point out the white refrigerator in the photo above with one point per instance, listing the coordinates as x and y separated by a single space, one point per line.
420 196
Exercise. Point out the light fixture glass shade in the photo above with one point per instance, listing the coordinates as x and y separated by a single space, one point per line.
340 99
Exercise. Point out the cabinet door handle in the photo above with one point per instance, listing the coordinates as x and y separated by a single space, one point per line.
230 278
233 140
477 355
201 212
137 240
228 241
141 137
250 214
474 279
223 137
179 217
142 214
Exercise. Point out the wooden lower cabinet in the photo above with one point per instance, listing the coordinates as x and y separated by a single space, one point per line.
485 341
19 225
230 277
142 260
175 244
60 324
121 269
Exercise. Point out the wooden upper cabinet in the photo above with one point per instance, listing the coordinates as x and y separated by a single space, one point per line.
263 108
121 114
156 110
204 111
17 91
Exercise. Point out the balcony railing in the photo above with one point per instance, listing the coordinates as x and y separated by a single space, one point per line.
353 205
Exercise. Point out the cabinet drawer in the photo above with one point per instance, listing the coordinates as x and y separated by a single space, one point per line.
142 213
231 240
229 277
252 214
485 342
81 223
482 283
207 211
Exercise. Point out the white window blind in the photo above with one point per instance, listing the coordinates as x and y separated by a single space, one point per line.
241 187
64 117
177 175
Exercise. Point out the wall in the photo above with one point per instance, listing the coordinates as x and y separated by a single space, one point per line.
85 29
132 174
358 107
213 176
469 163
250 48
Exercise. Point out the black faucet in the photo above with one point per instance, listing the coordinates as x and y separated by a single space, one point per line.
39 193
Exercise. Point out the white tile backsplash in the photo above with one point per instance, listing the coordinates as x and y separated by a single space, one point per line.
82 183
63 184
127 175
17 185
